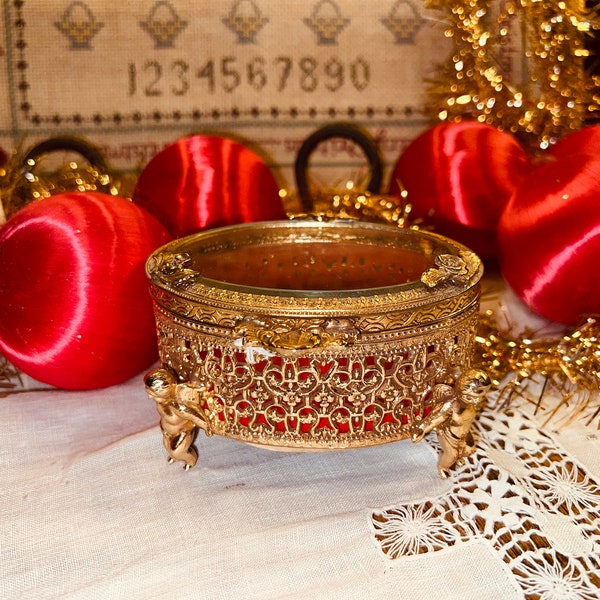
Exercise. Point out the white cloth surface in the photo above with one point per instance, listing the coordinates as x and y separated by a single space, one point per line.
90 509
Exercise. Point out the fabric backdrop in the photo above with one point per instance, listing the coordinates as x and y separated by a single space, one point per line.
132 77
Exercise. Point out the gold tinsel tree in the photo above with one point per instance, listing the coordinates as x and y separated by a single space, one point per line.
554 94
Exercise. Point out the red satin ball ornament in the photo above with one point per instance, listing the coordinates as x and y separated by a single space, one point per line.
582 141
549 237
75 311
201 182
459 177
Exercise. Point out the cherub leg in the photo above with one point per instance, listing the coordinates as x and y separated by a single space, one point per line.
180 447
448 454
178 436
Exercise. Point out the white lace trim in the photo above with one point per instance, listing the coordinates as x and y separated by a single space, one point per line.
523 493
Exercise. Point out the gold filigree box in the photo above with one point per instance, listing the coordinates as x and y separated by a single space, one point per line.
315 335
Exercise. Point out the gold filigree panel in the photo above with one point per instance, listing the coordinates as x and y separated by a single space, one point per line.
334 398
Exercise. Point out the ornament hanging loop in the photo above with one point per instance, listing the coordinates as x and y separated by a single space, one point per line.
29 182
336 130
69 144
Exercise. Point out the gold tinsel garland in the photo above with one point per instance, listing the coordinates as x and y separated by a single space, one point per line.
554 95
533 367
349 202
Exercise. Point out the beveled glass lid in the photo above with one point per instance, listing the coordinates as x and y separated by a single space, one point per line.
313 259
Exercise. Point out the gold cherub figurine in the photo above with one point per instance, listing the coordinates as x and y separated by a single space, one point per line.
178 407
452 419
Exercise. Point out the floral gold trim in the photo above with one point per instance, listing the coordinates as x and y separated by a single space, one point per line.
450 268
299 334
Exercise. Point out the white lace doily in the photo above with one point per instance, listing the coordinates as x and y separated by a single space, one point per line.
522 492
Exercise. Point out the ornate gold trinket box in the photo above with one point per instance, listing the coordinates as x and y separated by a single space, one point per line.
315 335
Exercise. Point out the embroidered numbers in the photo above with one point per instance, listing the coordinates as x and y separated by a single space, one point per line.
229 74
